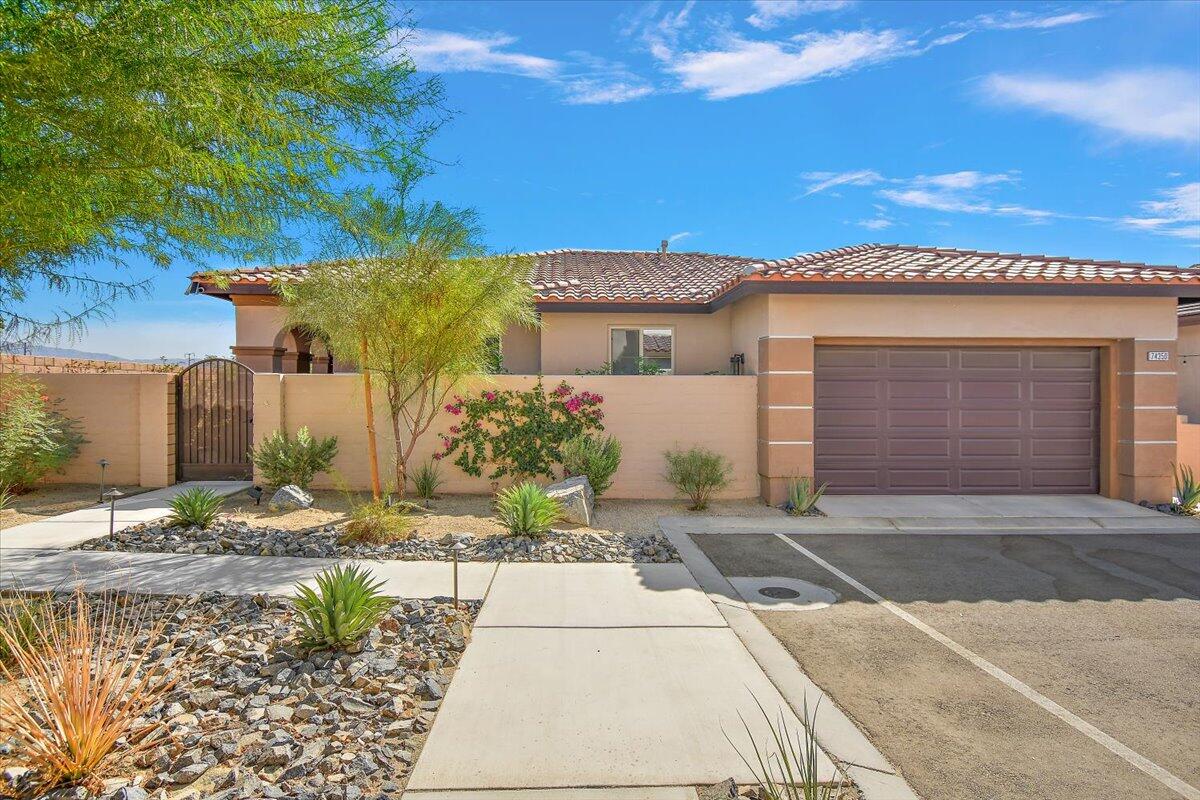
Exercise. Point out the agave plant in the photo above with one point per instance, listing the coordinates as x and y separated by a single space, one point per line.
802 496
344 607
1187 489
525 510
196 506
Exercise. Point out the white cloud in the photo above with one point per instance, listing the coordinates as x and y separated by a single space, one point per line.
445 51
769 13
1018 20
1153 104
1176 214
676 237
588 91
877 224
964 180
743 66
828 180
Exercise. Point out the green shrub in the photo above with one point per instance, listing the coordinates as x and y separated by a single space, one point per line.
22 619
802 497
525 510
35 439
195 506
426 479
283 460
597 457
787 766
344 607
377 523
1187 489
698 473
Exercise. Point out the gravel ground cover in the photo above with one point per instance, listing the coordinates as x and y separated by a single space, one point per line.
254 716
230 537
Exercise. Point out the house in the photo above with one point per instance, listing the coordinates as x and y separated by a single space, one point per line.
880 368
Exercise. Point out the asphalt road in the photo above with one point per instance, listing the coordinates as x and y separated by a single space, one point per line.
1105 626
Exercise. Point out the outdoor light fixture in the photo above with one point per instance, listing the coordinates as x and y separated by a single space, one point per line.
111 496
103 465
456 549
256 492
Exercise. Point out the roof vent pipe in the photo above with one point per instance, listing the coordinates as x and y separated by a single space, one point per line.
662 247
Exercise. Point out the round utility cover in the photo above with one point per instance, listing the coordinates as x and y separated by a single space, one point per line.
783 594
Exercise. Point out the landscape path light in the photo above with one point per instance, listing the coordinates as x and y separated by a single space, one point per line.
111 496
103 465
456 549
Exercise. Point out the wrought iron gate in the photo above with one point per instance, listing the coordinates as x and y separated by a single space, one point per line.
214 416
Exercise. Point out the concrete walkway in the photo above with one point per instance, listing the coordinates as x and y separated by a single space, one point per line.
76 527
597 675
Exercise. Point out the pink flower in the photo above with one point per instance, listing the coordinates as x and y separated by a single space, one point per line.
455 429
489 396
438 456
454 408
574 404
562 390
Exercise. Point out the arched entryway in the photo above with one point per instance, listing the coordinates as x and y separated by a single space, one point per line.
214 421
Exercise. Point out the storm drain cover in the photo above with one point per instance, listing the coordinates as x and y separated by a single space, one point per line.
778 593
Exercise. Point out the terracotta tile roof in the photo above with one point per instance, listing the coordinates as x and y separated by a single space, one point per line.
632 276
893 262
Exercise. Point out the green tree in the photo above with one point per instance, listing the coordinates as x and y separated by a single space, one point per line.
414 299
168 130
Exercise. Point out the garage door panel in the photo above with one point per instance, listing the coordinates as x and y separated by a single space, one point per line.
985 420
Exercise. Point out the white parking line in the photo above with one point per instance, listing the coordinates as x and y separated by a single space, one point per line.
1147 766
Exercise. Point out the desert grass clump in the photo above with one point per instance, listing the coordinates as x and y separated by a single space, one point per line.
597 457
377 523
698 473
346 604
426 478
788 766
1187 489
802 496
195 506
525 510
83 677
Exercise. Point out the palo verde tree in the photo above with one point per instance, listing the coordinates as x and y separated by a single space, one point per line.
138 132
414 299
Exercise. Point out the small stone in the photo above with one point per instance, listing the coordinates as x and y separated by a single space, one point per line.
725 790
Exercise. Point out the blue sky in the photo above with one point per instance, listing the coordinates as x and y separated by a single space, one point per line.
771 128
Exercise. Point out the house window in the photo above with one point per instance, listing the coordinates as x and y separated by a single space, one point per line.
642 351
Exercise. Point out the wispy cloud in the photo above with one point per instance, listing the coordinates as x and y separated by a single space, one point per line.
877 224
1176 214
828 180
1149 104
769 13
583 79
1019 20
742 66
677 237
445 51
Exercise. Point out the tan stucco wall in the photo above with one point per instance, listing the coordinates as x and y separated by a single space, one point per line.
580 341
521 349
1189 372
128 419
647 414
748 321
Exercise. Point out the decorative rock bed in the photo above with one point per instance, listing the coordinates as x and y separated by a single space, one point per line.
238 538
254 717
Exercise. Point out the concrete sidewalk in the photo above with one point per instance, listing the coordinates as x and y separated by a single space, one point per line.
76 527
597 675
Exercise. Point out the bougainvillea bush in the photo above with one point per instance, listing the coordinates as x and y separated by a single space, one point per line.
35 438
518 433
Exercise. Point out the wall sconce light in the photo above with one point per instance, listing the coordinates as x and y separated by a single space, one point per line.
103 465
256 492
111 496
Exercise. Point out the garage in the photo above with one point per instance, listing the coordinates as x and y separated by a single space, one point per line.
957 420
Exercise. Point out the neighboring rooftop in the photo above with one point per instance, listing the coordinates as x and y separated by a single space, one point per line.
658 276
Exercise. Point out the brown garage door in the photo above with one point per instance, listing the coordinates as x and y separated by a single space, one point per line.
936 420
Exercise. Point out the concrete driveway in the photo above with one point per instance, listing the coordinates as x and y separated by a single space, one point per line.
1046 661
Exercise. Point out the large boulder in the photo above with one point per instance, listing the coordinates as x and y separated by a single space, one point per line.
290 497
577 499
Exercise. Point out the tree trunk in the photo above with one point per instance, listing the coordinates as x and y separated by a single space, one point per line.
401 457
372 453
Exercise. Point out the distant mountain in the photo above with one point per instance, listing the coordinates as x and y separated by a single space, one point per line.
67 352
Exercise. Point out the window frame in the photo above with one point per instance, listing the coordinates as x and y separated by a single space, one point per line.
641 329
